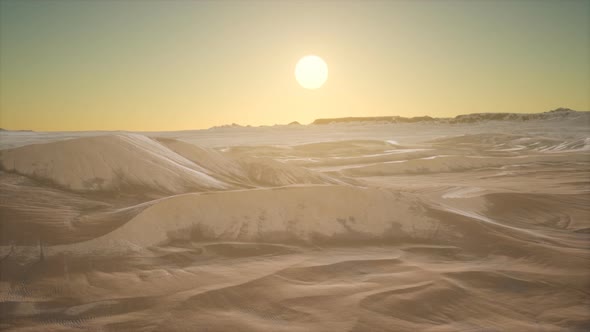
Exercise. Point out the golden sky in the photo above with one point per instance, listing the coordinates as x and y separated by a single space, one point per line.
176 65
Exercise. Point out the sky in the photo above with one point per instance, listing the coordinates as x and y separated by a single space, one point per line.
177 65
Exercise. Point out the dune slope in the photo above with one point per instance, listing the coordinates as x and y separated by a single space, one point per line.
107 163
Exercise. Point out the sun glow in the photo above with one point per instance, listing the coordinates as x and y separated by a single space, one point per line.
311 72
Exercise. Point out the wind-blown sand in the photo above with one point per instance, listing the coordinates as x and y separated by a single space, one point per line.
353 226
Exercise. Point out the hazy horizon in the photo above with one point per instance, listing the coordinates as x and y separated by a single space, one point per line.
120 211
155 65
375 118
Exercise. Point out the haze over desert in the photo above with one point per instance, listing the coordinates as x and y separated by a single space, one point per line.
295 166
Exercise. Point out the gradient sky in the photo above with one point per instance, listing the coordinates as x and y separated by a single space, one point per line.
173 65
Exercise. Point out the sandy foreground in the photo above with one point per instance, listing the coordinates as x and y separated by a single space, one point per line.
345 227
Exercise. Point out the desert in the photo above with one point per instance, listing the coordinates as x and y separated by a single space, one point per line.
476 223
295 166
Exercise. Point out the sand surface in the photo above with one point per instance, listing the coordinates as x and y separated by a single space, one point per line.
341 227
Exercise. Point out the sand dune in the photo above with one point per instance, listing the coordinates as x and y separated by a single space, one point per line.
304 214
346 215
212 161
108 163
455 163
340 227
135 162
245 169
509 143
32 213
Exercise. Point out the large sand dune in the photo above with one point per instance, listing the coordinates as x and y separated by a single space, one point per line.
135 162
107 163
304 214
478 223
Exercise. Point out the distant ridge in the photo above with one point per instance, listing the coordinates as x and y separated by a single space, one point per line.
559 113
22 130
390 119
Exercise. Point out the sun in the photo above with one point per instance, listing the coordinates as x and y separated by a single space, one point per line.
311 72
